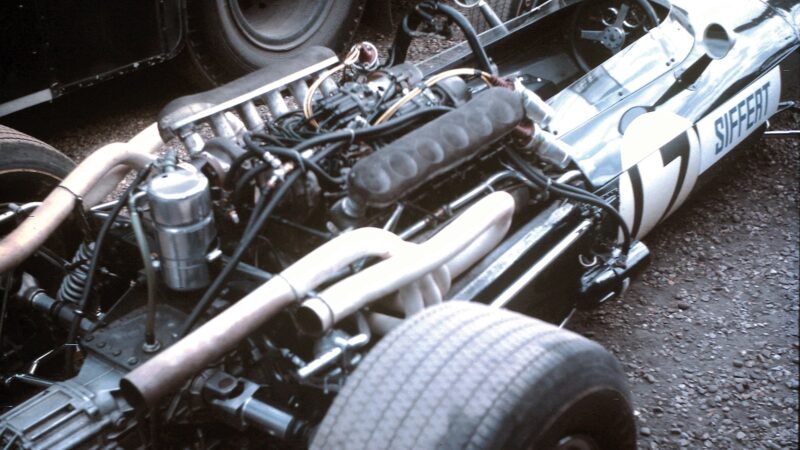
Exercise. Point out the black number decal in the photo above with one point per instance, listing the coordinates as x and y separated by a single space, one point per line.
679 147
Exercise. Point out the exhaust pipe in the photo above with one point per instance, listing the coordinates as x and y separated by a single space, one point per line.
145 386
167 371
108 164
490 216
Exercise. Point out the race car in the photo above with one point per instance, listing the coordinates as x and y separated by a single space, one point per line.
354 251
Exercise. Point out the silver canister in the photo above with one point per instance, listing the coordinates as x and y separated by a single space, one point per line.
180 205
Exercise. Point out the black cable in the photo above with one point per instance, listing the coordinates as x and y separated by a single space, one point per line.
98 246
244 243
236 167
368 132
346 137
302 162
574 193
266 137
406 29
243 182
469 32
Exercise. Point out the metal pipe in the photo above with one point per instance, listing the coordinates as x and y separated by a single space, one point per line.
34 231
431 289
27 379
147 141
529 275
167 371
782 133
485 187
349 295
327 359
277 106
19 210
103 206
328 86
251 116
491 16
394 218
268 418
299 89
150 343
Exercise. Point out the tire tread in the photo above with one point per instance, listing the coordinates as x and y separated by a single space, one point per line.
450 377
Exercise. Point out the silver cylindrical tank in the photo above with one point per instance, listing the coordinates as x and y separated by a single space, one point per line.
180 206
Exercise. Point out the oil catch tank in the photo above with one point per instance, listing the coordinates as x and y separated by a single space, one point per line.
180 206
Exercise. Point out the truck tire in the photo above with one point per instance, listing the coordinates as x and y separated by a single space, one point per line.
230 38
463 375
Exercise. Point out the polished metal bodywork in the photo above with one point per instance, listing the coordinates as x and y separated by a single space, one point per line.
590 111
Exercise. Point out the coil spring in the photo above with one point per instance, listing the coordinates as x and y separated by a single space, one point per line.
74 283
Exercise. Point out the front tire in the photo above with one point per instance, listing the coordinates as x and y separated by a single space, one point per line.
462 375
230 38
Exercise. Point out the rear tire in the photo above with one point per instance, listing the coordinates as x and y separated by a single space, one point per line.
29 170
462 375
230 38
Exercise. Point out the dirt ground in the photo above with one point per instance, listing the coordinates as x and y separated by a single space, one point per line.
708 336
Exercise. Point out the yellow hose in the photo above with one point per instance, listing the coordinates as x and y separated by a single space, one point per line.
351 58
428 83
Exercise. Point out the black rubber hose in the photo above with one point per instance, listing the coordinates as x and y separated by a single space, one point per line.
302 162
574 193
403 36
368 132
469 32
98 246
236 167
249 234
307 163
244 181
351 134
259 206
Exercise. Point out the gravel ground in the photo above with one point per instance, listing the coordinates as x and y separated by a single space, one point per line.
708 336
